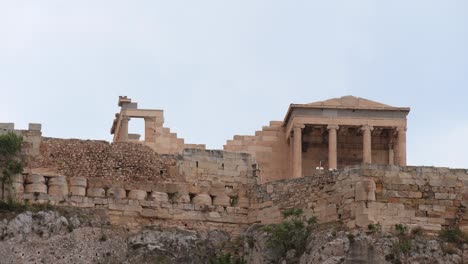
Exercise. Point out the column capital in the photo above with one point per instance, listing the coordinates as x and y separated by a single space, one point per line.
401 129
367 127
336 127
301 126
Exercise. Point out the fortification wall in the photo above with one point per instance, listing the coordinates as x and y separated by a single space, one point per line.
32 137
268 148
415 196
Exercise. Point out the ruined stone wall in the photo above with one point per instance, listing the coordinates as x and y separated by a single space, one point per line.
32 138
415 196
268 148
136 205
119 161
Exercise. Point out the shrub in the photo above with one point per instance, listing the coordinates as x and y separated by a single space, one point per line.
10 144
417 231
291 234
401 229
453 235
227 259
374 228
404 245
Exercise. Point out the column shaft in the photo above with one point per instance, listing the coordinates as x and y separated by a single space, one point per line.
391 155
123 132
297 152
401 146
332 147
367 144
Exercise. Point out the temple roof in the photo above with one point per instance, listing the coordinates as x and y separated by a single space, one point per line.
350 102
347 102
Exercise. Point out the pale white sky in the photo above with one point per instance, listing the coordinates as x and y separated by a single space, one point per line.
220 68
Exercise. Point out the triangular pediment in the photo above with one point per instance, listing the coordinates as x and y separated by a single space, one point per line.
349 101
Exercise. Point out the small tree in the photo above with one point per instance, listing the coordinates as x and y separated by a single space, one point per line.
291 234
10 162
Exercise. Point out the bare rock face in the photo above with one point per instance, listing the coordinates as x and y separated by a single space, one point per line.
355 247
49 237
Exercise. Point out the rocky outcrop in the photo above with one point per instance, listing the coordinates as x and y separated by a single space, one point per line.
50 237
58 237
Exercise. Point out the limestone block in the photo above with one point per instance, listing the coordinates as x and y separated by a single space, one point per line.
222 200
95 192
35 178
202 199
59 180
159 197
365 190
35 188
78 190
183 198
243 202
137 194
116 192
58 190
78 181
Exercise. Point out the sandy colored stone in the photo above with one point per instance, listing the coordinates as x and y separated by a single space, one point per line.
202 199
78 181
58 190
159 197
116 192
35 188
35 178
95 192
137 195
222 200
77 190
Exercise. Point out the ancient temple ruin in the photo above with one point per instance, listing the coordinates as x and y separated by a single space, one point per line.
342 159
332 134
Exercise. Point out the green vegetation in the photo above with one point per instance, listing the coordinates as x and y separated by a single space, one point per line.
374 228
227 259
453 235
417 231
233 200
10 162
291 234
401 229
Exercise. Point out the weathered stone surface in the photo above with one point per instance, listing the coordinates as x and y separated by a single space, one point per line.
159 197
95 192
116 192
137 195
222 201
77 190
35 188
202 199
58 190
78 181
365 190
35 178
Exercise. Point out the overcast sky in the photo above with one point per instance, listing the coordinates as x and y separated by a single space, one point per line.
220 68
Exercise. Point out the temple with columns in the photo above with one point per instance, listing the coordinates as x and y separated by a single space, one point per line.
329 135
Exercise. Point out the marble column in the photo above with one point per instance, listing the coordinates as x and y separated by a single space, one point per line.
297 151
123 132
332 147
391 154
367 144
401 146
